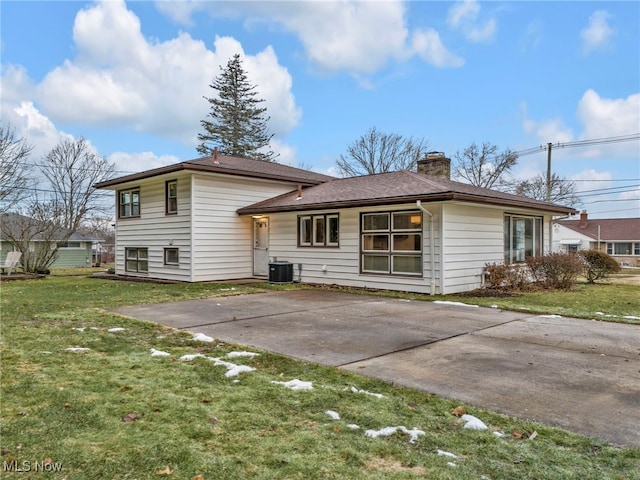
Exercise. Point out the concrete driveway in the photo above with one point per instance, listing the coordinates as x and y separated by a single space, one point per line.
580 375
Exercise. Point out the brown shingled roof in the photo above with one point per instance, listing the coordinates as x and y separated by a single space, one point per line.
391 188
611 229
245 167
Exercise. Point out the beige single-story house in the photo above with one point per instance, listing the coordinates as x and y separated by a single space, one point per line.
619 237
224 218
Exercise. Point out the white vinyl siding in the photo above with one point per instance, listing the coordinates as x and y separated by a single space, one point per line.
341 265
223 240
155 231
474 236
466 238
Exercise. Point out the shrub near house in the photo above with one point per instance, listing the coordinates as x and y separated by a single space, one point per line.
555 270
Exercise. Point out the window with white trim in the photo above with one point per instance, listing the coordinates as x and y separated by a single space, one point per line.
522 238
137 259
129 203
391 243
319 230
623 248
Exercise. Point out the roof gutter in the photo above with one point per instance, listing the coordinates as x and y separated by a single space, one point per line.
431 247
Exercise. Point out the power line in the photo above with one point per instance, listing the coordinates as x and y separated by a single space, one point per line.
579 143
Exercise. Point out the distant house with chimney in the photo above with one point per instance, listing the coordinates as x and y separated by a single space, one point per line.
619 237
223 217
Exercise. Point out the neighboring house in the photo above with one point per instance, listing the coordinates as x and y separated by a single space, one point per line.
223 218
75 252
619 237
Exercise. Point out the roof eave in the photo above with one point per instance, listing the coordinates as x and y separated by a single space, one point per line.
305 182
446 196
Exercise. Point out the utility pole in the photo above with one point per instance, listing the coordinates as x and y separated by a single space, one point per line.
549 171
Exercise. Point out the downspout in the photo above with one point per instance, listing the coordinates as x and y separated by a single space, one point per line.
431 247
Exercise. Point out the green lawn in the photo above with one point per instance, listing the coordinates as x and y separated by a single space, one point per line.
116 411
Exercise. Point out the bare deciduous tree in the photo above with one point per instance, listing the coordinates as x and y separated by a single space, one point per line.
484 166
38 228
72 169
378 152
14 177
563 191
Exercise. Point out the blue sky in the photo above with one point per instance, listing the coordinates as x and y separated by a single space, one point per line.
130 77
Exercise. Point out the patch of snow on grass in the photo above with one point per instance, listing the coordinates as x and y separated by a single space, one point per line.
201 337
188 358
456 304
241 354
631 317
79 329
550 316
116 330
442 453
473 423
451 464
386 431
332 414
233 370
77 349
159 353
377 395
296 384
353 426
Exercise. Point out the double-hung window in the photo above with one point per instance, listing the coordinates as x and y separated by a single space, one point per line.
137 259
171 197
129 203
522 238
319 230
391 243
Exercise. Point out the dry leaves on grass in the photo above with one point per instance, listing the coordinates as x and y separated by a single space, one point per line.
166 471
131 417
458 411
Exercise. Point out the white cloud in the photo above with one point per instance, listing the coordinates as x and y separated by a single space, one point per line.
121 78
427 45
600 118
463 16
353 36
127 163
598 33
462 12
37 129
591 179
607 117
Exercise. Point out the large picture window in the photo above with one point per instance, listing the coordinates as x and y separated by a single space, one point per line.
623 248
137 259
129 203
522 238
391 243
319 230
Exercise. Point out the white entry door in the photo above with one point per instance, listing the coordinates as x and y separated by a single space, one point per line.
261 246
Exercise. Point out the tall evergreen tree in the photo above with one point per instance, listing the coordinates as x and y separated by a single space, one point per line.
235 124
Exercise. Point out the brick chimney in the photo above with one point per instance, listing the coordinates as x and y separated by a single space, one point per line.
435 164
583 219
